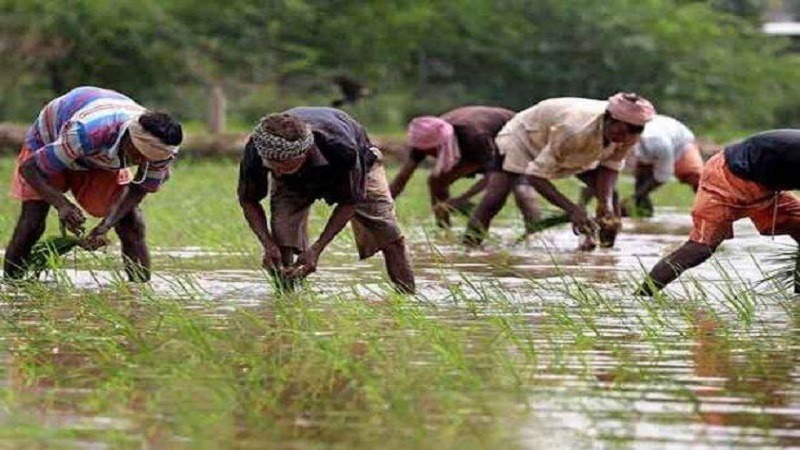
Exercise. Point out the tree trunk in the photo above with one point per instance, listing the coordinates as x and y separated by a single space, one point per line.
216 117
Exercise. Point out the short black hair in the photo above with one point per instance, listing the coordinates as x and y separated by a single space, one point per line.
162 126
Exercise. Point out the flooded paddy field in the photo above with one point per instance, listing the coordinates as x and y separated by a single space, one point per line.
514 345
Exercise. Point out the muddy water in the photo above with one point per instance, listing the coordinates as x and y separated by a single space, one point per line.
440 259
701 371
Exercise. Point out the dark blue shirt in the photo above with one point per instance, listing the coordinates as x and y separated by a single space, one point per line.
335 170
771 158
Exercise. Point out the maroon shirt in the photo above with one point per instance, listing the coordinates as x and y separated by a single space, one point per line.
475 128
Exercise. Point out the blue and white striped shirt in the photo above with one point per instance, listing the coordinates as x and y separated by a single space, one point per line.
82 130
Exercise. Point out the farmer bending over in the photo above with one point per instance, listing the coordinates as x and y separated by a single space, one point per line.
560 137
462 141
83 142
748 179
311 154
666 147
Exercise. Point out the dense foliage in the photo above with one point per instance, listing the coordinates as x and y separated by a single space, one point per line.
704 61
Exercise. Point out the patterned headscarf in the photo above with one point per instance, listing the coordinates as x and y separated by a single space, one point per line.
276 148
631 108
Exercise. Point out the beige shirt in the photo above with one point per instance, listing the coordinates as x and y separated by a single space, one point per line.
559 137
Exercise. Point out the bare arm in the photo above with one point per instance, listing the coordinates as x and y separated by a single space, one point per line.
257 220
336 222
401 179
581 223
552 195
272 258
474 190
131 197
688 255
252 188
69 214
605 182
34 176
306 263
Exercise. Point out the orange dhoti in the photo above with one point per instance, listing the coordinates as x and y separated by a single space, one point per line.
724 198
95 190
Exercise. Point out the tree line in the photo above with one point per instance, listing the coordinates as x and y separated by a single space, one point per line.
706 62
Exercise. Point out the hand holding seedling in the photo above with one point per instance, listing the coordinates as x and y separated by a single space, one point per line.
581 223
72 217
305 265
609 228
441 211
584 226
271 257
96 239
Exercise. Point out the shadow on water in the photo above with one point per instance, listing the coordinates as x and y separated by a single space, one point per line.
712 364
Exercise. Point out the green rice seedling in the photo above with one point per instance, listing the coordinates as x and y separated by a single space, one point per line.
47 252
284 285
546 223
787 275
466 208
313 369
742 302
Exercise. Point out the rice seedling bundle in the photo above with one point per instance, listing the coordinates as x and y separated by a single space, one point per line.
46 253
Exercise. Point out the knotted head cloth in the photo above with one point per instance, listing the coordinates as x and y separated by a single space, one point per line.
631 108
272 147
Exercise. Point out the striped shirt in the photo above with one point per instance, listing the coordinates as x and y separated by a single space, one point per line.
82 130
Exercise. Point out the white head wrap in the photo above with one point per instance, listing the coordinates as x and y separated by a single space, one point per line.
149 145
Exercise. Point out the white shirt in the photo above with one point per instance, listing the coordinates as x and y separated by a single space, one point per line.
662 143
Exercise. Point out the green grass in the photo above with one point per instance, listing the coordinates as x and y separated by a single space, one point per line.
197 207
